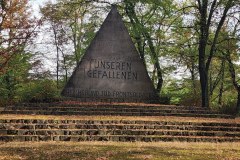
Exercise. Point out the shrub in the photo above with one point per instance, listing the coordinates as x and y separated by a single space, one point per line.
228 106
165 99
39 91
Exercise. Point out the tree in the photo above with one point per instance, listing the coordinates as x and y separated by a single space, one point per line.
60 38
184 52
14 77
16 30
230 51
207 10
73 24
148 26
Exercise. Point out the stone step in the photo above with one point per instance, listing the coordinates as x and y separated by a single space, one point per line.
111 125
162 110
111 112
114 113
90 132
120 127
115 122
121 138
111 109
107 105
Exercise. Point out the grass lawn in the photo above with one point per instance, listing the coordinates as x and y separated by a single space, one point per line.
119 151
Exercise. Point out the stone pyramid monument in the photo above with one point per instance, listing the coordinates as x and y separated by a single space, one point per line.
111 69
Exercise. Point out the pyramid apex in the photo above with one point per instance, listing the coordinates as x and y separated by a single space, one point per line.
114 8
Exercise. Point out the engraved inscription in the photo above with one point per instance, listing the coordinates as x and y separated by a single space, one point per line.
108 93
103 69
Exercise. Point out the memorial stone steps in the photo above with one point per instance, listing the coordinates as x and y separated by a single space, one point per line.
117 130
111 110
24 129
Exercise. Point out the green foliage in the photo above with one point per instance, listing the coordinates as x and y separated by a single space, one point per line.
228 104
15 75
182 92
16 85
33 91
39 91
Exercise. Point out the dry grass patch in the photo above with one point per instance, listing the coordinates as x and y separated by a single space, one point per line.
119 151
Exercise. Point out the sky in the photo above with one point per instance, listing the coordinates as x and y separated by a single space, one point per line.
39 42
35 5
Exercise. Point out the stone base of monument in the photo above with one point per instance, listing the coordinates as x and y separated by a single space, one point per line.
119 130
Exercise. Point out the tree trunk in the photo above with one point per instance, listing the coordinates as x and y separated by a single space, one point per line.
204 88
203 72
74 31
201 52
193 78
238 102
220 94
221 86
64 66
57 48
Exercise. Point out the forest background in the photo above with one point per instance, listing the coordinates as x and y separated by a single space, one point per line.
190 47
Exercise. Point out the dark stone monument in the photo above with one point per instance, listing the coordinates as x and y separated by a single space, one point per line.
111 69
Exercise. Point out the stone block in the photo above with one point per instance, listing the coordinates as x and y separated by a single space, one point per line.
3 132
